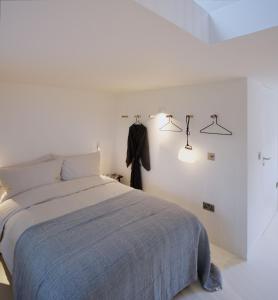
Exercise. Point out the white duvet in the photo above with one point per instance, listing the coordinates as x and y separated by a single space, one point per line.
48 202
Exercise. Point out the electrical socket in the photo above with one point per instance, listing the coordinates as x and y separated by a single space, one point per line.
208 206
211 156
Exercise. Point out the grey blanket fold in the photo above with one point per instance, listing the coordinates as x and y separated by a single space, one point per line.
132 247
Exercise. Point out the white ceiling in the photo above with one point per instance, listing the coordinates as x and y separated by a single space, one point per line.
119 45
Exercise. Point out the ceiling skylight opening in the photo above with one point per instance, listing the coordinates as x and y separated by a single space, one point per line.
215 21
212 5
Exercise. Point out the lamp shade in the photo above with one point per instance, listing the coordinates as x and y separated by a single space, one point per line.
187 155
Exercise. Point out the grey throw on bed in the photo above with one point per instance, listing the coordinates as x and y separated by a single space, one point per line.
132 247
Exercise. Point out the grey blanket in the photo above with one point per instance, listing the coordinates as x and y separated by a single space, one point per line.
132 247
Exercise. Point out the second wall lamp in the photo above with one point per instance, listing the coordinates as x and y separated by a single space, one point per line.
186 154
187 146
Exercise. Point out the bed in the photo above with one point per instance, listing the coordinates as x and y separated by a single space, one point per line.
94 238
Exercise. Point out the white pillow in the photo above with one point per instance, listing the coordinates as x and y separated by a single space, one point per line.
81 166
16 180
43 158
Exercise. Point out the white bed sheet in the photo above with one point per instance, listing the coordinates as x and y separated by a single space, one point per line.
49 202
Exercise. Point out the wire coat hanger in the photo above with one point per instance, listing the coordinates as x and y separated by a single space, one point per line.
215 122
137 119
170 123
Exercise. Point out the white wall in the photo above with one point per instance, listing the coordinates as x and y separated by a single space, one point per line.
222 182
35 120
262 177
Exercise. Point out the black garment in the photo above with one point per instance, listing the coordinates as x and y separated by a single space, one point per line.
137 151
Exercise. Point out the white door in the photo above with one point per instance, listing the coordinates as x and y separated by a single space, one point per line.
269 161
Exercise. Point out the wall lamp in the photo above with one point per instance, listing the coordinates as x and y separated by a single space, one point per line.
186 153
188 117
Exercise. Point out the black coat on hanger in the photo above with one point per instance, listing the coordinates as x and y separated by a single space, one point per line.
137 153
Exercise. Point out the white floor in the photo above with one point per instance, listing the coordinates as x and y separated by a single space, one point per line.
256 279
